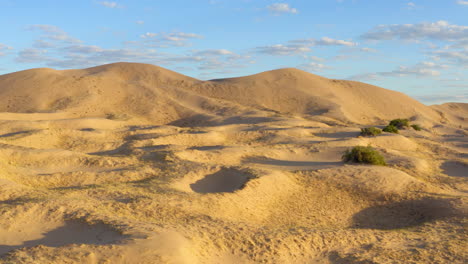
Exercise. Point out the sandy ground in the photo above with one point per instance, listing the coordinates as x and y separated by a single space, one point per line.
219 178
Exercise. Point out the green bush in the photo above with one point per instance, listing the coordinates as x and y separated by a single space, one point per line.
370 131
361 154
399 123
416 127
390 129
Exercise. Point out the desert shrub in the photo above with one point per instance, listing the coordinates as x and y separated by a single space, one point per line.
399 123
390 129
416 127
361 154
370 131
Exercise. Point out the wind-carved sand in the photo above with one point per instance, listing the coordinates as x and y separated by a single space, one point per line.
133 163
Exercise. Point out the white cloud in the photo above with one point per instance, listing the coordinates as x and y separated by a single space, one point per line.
53 33
149 35
452 96
457 57
315 58
313 67
82 49
32 55
421 69
365 49
460 2
326 41
440 30
283 50
185 35
301 46
278 8
42 44
455 38
110 4
213 52
3 48
140 22
165 40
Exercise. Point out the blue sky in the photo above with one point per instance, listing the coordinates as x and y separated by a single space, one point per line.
416 47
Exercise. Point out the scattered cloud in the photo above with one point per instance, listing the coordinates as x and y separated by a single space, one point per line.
456 57
181 36
454 37
140 22
440 30
315 58
52 33
32 55
4 48
149 35
460 2
85 49
166 40
313 67
453 96
301 46
281 8
410 5
365 49
53 52
326 41
43 44
422 69
213 52
110 4
283 50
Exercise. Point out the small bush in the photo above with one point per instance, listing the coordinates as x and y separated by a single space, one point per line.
370 131
360 154
399 123
416 127
391 129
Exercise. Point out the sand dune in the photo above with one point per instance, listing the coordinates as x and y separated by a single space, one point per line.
127 90
133 163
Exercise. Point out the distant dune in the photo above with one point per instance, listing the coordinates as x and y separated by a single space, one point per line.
162 96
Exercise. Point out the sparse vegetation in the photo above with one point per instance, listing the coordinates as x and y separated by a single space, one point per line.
391 129
416 127
370 131
361 154
400 123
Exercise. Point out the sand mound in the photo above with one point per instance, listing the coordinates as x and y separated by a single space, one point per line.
456 113
297 92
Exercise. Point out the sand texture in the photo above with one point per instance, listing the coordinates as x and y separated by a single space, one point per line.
133 163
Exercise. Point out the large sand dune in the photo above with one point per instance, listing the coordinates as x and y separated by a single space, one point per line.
124 90
133 163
